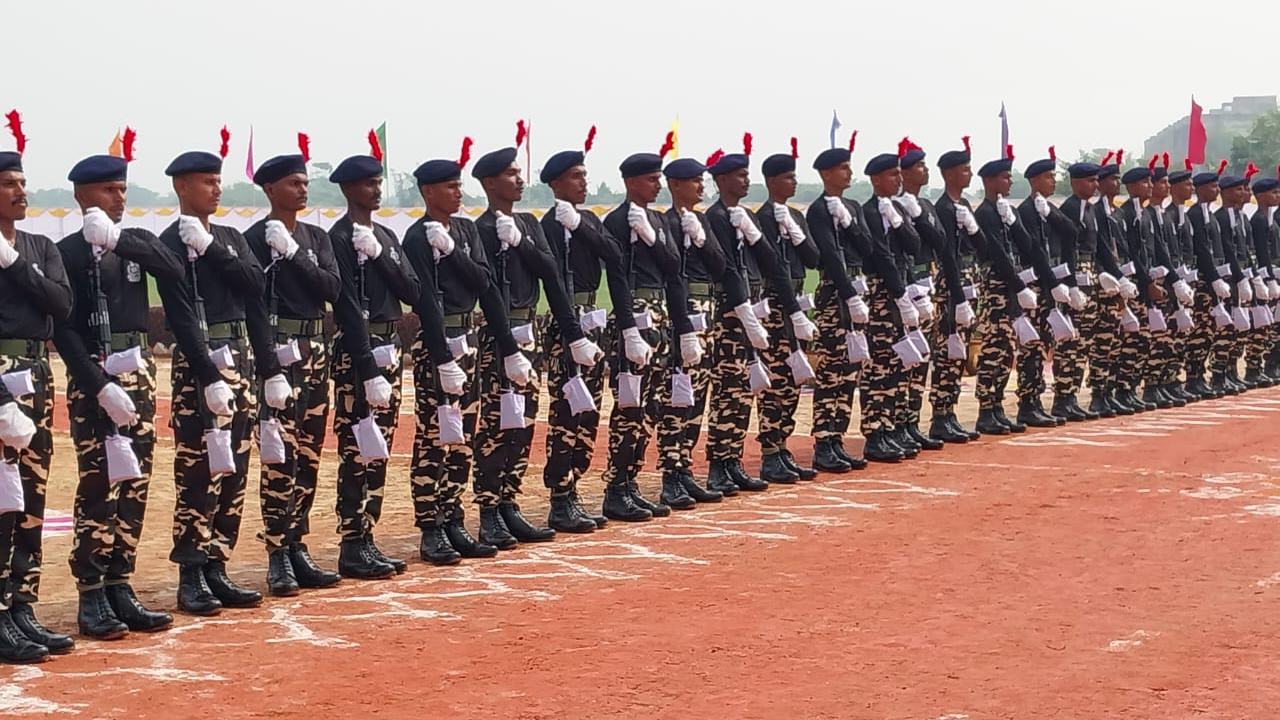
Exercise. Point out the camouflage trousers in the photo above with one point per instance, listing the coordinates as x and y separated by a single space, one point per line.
1161 349
21 548
1070 360
631 428
836 378
108 516
1257 345
571 439
996 358
916 380
287 490
944 390
1031 357
1100 331
361 482
1203 337
883 384
502 456
1178 351
439 473
679 428
1131 358
730 395
208 507
777 404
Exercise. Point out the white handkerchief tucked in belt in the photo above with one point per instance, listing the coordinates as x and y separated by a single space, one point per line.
523 334
270 441
10 488
222 358
122 463
593 320
125 361
289 353
217 446
579 396
19 383
458 347
384 356
370 442
449 419
681 389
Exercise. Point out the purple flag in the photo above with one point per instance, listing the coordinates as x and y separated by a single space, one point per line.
248 163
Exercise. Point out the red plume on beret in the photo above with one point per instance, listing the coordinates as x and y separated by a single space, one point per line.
853 140
795 150
1151 164
965 140
1053 153
903 146
1186 164
521 132
714 158
375 147
1222 166
226 142
1107 158
591 139
1008 151
1165 157
668 143
1278 171
746 143
1120 156
15 127
304 146
465 156
1251 170
126 143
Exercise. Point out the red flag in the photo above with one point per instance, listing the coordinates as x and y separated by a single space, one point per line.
1196 136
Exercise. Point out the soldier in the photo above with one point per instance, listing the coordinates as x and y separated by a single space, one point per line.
786 229
1136 249
377 280
212 310
1265 239
522 261
1157 386
105 266
34 296
1114 232
1182 252
739 234
1209 339
302 275
1232 220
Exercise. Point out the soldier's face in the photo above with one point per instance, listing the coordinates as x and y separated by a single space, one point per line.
1207 192
1109 185
1140 189
887 183
1160 190
644 188
109 197
571 186
960 176
13 195
916 175
686 193
1045 184
1002 183
840 176
365 194
444 197
1085 187
199 192
1181 192
734 184
783 185
1270 198
288 193
506 186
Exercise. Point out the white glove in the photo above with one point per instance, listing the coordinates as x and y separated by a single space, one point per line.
567 215
438 238
693 229
911 204
586 352
1221 288
1061 293
99 231
635 348
1078 299
910 318
1108 282
365 242
1128 290
839 212
1245 290
1042 207
690 350
966 220
793 230
859 313
964 314
1273 289
1260 290
119 406
756 334
279 240
219 398
276 391
741 222
16 429
519 369
377 392
1182 291
1027 299
803 326
924 307
638 219
1005 208
889 212
508 233
452 378
192 233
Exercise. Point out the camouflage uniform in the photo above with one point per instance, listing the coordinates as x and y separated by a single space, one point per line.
961 247
1050 242
998 309
1207 339
935 252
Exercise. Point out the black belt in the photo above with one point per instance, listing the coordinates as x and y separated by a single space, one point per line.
126 340
585 299
462 320
230 330
755 289
853 270
23 347
649 293
300 328
387 327
523 315
701 290
920 267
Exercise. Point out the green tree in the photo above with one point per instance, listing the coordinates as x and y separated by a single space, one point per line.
1261 145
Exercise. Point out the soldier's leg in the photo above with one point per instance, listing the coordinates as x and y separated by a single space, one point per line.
880 380
835 376
311 434
520 441
656 399
730 401
96 500
917 379
229 509
562 425
131 502
386 420
774 402
700 379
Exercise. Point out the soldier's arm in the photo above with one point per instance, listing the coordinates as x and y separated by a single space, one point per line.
48 286
558 299
67 337
349 316
776 274
990 225
427 305
401 278
732 278
180 313
935 240
830 259
321 275
241 270
609 250
144 248
1065 230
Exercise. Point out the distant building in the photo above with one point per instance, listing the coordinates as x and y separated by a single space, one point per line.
1221 126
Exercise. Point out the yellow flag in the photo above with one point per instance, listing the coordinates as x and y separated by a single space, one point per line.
675 137
116 149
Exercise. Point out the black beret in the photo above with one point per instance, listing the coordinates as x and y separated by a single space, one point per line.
640 164
1226 182
278 168
1082 170
1159 172
1204 178
828 159
559 163
777 164
1106 171
911 157
995 167
953 158
880 163
1265 185
1039 167
1137 174
356 167
491 164
437 171
683 169
194 161
10 160
1178 176
732 162
99 168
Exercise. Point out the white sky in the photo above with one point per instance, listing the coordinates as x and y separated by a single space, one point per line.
1079 75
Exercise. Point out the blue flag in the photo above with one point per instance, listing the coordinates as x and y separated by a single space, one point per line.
835 125
1004 132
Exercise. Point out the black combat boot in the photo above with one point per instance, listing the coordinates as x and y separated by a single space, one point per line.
1218 384
619 505
228 593
925 443
940 429
742 479
135 615
719 479
519 525
1087 414
24 616
1028 415
281 580
880 448
96 618
696 491
956 426
1253 377
308 574
355 561
565 516
455 531
599 520
673 494
435 546
898 436
989 425
1038 404
194 595
1062 408
1100 405
804 473
493 529
656 509
15 647
1014 427
825 458
856 463
774 470
397 564
1151 395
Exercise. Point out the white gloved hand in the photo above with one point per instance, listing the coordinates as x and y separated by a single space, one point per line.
567 215
276 391
192 233
966 220
911 204
99 231
280 241
1128 290
924 307
118 405
508 233
438 238
518 368
693 229
636 349
803 326
907 310
16 429
1182 291
1273 289
1027 299
964 314
452 378
839 212
1108 282
218 397
1078 299
793 230
690 350
1221 289
1245 291
1260 290
781 215
638 220
889 212
1005 208
377 392
859 313
365 242
1042 207
741 221
1061 293
756 334
585 352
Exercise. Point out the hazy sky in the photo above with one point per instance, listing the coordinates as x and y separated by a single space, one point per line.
1079 75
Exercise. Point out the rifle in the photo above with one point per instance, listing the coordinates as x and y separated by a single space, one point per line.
100 318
